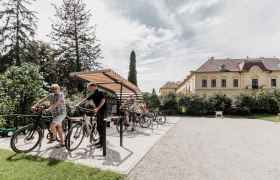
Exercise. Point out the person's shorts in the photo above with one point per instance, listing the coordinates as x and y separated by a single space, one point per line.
58 119
133 116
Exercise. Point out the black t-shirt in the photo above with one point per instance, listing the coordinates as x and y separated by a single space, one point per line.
97 96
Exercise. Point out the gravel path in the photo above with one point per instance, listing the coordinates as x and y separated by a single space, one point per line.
209 148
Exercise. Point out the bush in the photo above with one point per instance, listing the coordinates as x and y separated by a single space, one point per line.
219 102
196 105
168 103
243 103
152 101
266 102
20 88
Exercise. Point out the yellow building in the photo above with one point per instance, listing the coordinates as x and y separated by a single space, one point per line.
232 76
168 87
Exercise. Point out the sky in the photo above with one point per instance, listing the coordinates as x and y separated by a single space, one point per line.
173 37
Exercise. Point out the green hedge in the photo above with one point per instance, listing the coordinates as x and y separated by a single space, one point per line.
249 102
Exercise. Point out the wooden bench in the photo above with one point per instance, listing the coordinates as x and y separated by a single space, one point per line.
113 118
219 113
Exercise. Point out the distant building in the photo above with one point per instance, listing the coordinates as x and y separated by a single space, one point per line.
232 76
169 87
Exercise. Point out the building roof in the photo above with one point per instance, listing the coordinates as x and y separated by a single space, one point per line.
265 64
170 85
110 81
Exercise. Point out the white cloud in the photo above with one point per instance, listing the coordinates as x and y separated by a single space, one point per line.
169 41
195 5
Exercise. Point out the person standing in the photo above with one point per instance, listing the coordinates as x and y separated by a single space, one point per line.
100 109
58 110
131 111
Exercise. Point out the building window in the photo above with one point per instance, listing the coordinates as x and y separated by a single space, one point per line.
235 83
255 84
224 83
204 83
273 82
213 83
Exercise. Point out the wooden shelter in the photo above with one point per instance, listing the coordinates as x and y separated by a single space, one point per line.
111 82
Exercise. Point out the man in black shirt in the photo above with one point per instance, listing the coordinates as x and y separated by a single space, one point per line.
100 109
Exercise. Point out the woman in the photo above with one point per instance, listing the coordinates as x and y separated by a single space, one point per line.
58 109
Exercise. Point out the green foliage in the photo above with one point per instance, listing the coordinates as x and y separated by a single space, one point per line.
154 91
152 101
219 102
3 122
182 101
168 102
243 103
266 102
76 43
17 29
20 88
44 55
195 104
132 74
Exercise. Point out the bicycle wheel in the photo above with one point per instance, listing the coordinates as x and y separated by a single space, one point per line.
145 121
160 119
118 125
26 139
94 136
74 137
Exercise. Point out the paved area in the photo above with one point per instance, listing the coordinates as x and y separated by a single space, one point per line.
120 159
214 148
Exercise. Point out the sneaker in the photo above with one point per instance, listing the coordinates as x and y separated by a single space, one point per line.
59 145
97 143
51 141
99 146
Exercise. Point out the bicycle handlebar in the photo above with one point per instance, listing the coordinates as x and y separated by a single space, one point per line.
85 110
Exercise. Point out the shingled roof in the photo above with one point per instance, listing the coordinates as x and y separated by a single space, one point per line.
170 85
265 64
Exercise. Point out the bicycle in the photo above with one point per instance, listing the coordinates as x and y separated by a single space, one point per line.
84 127
160 117
28 137
146 119
126 126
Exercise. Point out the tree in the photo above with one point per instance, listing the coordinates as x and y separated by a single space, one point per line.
154 91
43 54
20 86
18 27
132 74
74 39
152 101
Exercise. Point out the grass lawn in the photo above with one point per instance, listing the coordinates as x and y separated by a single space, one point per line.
22 166
267 117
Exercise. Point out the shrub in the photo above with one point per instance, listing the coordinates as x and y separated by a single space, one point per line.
20 88
266 102
243 103
152 101
195 104
168 103
219 102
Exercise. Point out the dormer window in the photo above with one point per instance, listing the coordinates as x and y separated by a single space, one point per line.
222 67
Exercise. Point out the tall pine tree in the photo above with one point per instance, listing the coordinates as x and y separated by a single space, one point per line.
132 74
17 27
75 40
